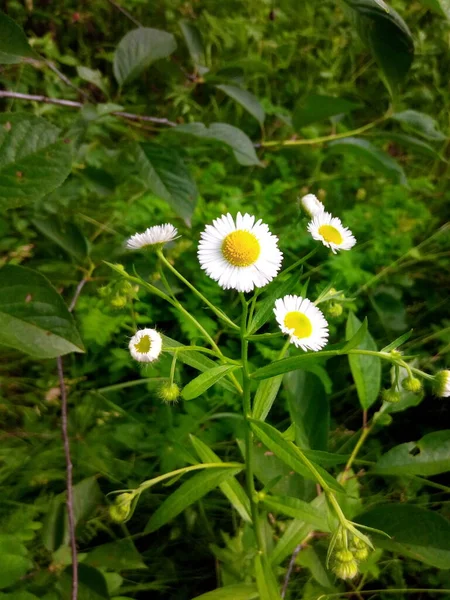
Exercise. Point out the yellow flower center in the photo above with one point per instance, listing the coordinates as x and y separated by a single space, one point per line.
241 248
143 345
331 234
299 323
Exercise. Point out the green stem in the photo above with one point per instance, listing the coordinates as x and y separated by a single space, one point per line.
365 432
247 411
299 262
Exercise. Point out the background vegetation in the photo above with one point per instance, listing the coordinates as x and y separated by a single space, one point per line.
279 72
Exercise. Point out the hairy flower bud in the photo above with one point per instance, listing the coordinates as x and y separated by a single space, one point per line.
390 395
121 509
346 570
118 302
442 384
412 384
344 556
361 554
169 392
334 310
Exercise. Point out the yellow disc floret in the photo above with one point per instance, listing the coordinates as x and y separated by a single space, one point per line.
143 345
330 234
299 323
241 248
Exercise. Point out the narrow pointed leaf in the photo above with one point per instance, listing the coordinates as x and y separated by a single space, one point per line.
203 382
298 509
13 42
246 99
265 579
318 107
238 591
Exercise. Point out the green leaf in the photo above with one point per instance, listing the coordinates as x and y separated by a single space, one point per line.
265 396
292 363
14 561
358 337
412 144
317 108
366 370
194 42
371 155
95 77
415 532
203 382
167 176
297 509
238 141
247 100
33 161
397 342
442 7
91 585
116 556
138 49
265 579
429 456
421 123
231 489
239 591
289 453
65 234
13 42
33 316
53 529
265 309
388 38
189 492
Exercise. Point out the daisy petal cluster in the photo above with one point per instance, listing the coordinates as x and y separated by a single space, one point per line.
145 345
302 321
330 231
159 234
239 254
312 205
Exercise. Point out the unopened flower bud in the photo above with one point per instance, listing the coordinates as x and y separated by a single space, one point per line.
346 570
344 556
361 194
390 395
103 291
361 554
169 392
311 205
334 310
121 509
442 384
118 302
125 287
412 384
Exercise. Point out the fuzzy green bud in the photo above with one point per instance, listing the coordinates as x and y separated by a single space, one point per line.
395 354
390 395
335 310
361 554
412 384
357 542
104 291
119 302
442 384
344 556
346 570
169 392
125 287
121 509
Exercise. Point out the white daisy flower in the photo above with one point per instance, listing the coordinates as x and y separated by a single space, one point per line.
241 255
145 345
159 234
312 205
304 322
330 231
442 384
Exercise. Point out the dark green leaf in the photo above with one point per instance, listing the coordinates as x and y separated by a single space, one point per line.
411 144
416 532
203 382
358 337
91 586
138 49
13 42
194 42
317 108
421 123
247 100
116 556
388 38
366 370
65 234
33 316
239 591
95 77
429 456
442 7
167 176
33 161
397 342
370 154
292 363
14 561
297 509
265 579
189 492
390 308
238 141
265 396
53 529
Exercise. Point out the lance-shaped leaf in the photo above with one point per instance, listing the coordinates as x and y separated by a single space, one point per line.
203 382
265 579
298 509
33 316
238 591
13 42
421 123
246 99
317 108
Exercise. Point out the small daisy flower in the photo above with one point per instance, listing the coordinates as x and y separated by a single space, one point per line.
240 255
330 231
442 384
312 205
159 234
145 345
304 322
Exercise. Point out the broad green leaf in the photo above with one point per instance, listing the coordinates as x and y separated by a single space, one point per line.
194 42
14 560
309 557
203 382
412 144
421 123
371 155
138 49
65 234
231 489
13 42
265 396
309 409
95 77
239 591
366 370
415 532
292 363
33 316
53 529
189 492
317 108
297 509
429 456
238 141
247 100
118 556
289 453
167 176
387 37
442 7
33 160
266 582
91 584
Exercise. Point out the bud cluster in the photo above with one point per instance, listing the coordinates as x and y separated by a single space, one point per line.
349 550
118 293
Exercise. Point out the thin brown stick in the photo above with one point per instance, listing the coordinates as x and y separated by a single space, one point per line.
76 104
80 286
126 13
